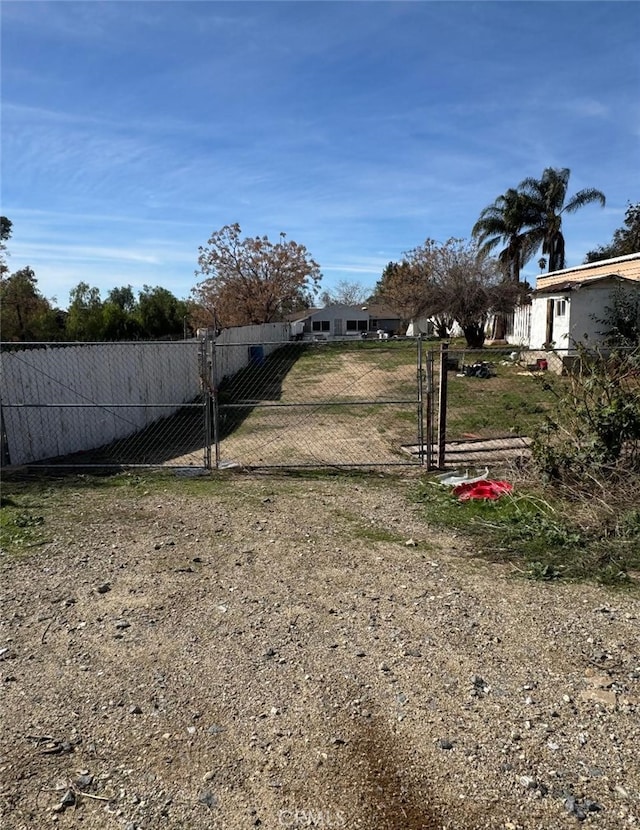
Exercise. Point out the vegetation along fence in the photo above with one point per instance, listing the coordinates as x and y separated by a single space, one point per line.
260 402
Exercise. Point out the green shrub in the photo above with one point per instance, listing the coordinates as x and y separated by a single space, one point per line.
594 429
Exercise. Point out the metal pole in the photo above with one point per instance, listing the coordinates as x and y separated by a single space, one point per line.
429 451
206 394
442 406
420 402
214 401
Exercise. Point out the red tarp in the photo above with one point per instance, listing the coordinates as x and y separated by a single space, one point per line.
487 489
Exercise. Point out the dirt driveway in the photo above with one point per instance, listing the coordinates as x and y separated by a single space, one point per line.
347 405
301 651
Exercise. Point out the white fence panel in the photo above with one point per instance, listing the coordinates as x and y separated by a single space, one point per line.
237 343
38 382
59 399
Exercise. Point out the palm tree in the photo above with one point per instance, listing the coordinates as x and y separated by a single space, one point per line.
506 221
546 196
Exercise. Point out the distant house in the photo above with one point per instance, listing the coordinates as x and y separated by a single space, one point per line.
428 327
567 306
343 322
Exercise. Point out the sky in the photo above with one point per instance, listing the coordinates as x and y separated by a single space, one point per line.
131 131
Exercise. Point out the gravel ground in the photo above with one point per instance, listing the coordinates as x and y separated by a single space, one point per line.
273 651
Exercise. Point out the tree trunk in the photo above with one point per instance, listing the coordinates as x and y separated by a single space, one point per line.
442 331
474 335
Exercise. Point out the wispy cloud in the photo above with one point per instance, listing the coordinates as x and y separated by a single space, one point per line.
131 131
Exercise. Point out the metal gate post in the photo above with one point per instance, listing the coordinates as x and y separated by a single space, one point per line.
205 381
420 402
442 406
215 412
429 412
4 446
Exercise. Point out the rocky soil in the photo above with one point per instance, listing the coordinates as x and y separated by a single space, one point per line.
278 651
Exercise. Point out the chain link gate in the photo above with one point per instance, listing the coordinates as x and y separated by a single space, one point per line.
311 404
207 404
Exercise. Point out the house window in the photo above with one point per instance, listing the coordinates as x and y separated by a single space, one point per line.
321 325
561 308
357 325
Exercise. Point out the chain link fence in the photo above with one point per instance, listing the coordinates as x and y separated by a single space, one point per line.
321 403
491 402
213 403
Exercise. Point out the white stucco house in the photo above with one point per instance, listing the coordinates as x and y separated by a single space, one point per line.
567 307
342 322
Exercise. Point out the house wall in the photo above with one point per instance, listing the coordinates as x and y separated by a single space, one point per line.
426 325
391 325
539 322
585 307
588 289
335 319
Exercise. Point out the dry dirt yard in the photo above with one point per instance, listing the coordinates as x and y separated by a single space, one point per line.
283 651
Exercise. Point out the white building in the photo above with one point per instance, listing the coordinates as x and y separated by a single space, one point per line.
568 306
342 321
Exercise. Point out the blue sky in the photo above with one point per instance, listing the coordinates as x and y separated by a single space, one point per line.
132 130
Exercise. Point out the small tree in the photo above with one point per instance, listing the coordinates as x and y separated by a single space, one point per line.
594 428
622 319
85 319
25 314
253 280
6 226
122 297
160 313
403 287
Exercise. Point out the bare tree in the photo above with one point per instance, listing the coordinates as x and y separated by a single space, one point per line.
252 280
469 285
346 292
454 281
